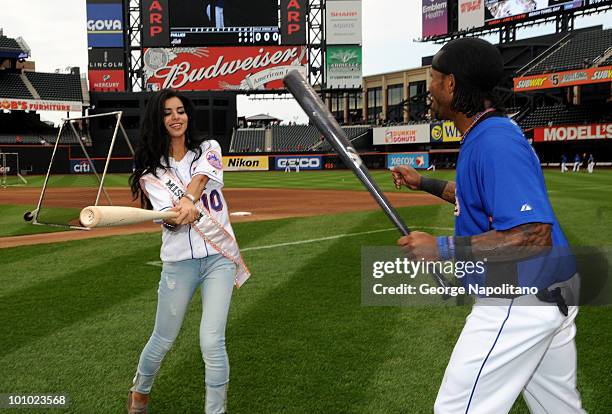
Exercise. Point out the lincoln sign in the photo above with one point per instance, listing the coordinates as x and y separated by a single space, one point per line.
573 132
222 68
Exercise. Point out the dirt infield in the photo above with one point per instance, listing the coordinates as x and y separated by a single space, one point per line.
263 204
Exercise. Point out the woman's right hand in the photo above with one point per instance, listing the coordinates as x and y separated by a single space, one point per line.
406 175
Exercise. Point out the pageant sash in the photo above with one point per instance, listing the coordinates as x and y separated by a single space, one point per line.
207 227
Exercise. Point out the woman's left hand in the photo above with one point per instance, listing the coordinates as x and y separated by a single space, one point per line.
188 213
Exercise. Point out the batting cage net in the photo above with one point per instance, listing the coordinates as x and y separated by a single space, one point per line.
91 159
10 172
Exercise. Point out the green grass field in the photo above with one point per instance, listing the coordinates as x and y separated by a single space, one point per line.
74 316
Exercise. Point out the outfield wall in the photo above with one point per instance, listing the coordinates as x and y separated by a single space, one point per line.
34 159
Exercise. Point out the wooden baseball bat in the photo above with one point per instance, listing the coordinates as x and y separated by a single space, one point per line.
107 216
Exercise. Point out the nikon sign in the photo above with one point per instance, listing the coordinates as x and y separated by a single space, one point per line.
245 163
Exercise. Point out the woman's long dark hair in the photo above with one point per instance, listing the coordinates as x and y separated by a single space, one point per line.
153 149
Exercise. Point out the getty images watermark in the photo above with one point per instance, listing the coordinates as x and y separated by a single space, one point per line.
410 269
389 278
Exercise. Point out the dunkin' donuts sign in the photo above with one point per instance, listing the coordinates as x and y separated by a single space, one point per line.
222 68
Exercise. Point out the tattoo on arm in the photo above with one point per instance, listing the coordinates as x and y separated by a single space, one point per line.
440 188
449 192
516 243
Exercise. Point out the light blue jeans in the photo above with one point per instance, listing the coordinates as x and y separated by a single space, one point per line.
179 281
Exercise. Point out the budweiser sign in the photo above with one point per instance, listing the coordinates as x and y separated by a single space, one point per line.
573 132
222 68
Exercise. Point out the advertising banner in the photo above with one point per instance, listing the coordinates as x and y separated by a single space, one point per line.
303 162
503 11
222 68
344 67
343 22
104 24
106 80
565 78
39 105
402 134
80 166
103 58
245 163
471 14
573 132
155 23
293 22
413 159
435 17
450 133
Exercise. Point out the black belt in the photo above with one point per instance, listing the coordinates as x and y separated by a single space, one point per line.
553 296
507 273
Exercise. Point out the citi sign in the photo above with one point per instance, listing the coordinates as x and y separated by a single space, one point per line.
80 167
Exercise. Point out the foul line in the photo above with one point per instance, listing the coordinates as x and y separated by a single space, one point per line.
337 236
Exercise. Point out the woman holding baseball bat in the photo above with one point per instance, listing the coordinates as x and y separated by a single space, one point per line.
175 171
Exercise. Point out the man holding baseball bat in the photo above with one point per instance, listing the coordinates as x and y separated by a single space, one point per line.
177 172
510 343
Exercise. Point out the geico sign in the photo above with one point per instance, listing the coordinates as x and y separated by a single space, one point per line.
103 25
5 170
82 167
301 162
570 133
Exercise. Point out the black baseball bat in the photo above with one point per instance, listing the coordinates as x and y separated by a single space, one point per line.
327 125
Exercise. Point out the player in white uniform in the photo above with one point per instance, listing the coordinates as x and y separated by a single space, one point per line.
175 171
514 340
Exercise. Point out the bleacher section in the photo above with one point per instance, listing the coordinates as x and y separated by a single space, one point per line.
289 138
562 115
249 140
578 51
8 43
357 135
12 86
56 86
294 137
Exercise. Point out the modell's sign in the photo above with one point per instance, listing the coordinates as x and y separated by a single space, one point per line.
573 132
39 105
222 68
563 79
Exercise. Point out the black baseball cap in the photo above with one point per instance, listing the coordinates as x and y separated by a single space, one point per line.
474 62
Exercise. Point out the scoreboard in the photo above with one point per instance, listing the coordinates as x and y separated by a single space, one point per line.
200 23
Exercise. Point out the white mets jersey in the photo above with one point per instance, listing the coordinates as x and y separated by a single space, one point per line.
184 242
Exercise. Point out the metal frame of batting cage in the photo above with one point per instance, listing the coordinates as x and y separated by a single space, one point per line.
5 174
33 215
